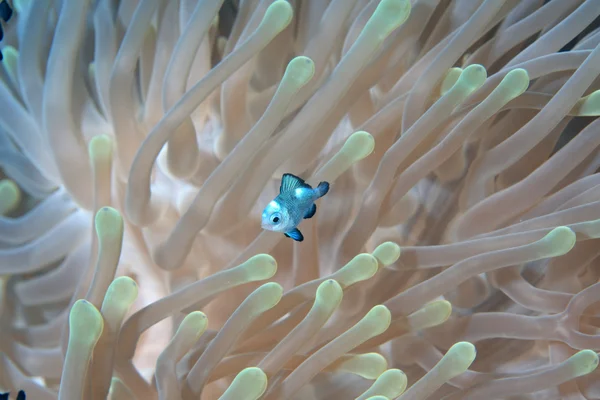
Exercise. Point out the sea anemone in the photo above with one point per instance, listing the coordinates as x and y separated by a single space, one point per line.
455 256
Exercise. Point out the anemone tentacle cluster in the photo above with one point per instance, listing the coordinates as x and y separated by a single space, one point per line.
456 255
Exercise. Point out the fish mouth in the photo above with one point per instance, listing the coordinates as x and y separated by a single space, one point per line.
269 227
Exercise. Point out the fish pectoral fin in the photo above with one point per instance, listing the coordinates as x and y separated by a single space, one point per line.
311 211
295 234
290 182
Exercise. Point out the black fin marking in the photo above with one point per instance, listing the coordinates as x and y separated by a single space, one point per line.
311 212
5 11
21 395
4 396
322 189
291 182
295 234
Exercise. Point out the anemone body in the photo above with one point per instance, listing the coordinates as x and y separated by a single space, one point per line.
455 256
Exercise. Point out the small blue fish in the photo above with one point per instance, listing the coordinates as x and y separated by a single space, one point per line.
20 395
296 201
5 13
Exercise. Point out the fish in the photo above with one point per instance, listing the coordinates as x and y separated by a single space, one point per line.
295 202
5 14
20 395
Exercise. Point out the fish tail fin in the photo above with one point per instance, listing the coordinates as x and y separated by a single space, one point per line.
322 189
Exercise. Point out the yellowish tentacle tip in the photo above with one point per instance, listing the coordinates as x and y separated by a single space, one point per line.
10 196
260 267
85 323
299 71
450 79
517 80
360 268
387 253
432 314
475 70
368 366
389 15
329 294
473 77
560 241
249 384
194 324
392 383
583 362
459 357
109 223
277 17
100 147
378 319
588 106
269 294
358 146
121 294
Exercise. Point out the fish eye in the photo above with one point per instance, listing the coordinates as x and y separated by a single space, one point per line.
275 218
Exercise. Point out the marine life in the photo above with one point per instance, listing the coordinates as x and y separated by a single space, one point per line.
20 395
296 201
5 14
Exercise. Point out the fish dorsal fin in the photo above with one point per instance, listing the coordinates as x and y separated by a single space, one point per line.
290 182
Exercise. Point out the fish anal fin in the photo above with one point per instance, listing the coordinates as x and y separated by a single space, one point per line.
290 182
311 211
295 234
